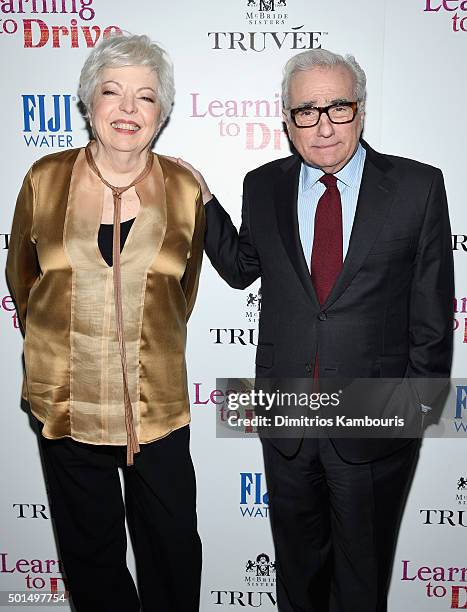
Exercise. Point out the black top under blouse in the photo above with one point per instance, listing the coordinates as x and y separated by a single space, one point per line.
105 239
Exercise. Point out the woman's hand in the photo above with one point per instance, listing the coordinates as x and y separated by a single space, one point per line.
205 192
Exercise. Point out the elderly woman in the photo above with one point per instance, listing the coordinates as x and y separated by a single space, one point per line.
103 264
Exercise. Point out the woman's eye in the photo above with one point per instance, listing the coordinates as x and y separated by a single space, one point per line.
108 92
147 99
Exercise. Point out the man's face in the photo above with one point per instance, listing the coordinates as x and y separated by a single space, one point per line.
327 145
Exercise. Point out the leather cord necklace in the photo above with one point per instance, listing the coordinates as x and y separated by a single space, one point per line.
132 438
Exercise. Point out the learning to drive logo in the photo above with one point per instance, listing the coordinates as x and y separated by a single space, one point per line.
22 17
455 10
439 582
38 574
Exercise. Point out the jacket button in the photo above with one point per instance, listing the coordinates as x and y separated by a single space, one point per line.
322 316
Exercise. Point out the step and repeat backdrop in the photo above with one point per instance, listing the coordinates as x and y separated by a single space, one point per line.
228 61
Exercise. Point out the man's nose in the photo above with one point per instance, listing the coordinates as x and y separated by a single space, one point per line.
325 127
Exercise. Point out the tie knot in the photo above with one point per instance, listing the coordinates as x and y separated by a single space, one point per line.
328 180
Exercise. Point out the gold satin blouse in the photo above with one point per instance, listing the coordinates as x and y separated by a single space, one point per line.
63 291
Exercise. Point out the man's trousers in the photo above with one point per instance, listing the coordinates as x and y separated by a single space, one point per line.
335 525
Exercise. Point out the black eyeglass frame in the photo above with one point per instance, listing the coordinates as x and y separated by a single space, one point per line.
325 110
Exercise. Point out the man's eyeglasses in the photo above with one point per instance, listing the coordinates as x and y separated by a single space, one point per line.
309 116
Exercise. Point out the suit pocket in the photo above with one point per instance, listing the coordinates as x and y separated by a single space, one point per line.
265 355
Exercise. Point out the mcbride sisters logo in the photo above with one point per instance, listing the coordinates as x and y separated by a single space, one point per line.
36 22
461 493
268 29
455 10
253 306
260 572
266 12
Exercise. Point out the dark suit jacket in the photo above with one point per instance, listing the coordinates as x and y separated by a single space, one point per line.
389 313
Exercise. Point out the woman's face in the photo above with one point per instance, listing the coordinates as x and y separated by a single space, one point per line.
125 110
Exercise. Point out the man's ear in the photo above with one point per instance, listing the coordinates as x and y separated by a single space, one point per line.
285 119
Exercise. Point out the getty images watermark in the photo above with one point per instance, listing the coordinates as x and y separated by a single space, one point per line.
267 401
340 408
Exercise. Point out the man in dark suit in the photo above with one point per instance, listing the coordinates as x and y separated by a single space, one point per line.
354 254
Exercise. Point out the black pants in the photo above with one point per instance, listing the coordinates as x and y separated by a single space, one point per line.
89 515
335 526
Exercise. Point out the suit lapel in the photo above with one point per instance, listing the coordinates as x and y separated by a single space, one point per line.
286 195
374 201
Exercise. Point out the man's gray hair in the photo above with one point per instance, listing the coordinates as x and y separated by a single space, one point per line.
322 58
128 50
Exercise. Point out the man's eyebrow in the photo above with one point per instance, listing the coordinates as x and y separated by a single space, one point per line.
306 104
311 103
339 100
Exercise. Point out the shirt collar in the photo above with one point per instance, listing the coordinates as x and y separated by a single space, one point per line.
349 174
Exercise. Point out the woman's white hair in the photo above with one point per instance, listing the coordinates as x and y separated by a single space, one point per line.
324 59
128 50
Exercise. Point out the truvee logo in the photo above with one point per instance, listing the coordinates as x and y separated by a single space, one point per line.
265 18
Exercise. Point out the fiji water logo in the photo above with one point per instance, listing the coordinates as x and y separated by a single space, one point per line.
454 8
254 499
461 408
47 120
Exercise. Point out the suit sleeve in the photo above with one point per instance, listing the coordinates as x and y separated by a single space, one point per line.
232 253
22 267
432 295
190 278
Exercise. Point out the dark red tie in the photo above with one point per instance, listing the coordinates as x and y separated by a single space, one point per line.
326 255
